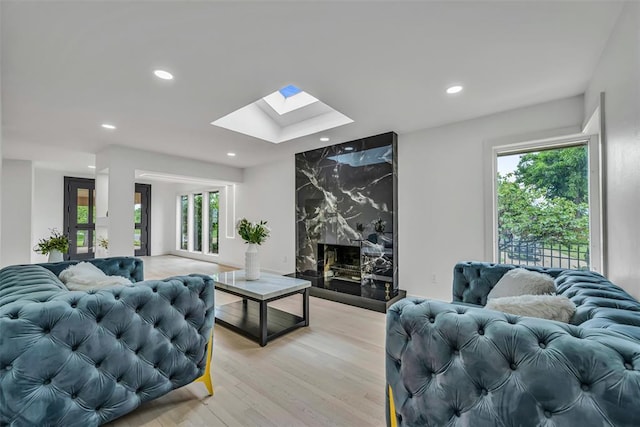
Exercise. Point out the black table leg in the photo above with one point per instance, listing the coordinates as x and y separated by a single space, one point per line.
263 323
305 307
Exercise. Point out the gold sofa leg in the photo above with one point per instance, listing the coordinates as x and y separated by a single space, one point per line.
392 409
206 377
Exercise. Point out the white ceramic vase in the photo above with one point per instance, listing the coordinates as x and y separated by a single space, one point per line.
252 262
55 256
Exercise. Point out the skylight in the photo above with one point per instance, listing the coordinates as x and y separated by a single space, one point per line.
285 114
289 91
283 104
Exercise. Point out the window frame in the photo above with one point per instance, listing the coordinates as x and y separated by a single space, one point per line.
207 216
500 148
204 232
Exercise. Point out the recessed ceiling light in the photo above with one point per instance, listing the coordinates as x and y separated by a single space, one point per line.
164 75
454 89
348 148
91 167
231 154
108 126
324 139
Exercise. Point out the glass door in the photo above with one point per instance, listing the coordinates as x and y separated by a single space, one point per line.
79 217
142 202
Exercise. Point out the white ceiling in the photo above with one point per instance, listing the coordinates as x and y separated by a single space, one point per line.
67 67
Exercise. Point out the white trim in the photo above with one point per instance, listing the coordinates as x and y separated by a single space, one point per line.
230 211
511 146
592 125
191 223
595 204
208 251
178 245
205 222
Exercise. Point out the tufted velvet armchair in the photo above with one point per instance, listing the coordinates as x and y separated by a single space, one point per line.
456 364
71 358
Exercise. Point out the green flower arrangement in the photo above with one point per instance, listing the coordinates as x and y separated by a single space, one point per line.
55 242
103 242
253 232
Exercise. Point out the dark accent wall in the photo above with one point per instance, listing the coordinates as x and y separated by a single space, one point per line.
341 191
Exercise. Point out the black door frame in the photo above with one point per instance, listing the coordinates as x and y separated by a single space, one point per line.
71 204
145 220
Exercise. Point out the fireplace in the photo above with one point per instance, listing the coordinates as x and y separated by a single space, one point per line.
346 222
340 266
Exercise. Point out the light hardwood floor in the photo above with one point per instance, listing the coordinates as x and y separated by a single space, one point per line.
328 374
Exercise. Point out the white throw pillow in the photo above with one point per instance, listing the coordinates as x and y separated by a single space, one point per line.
520 281
84 276
551 307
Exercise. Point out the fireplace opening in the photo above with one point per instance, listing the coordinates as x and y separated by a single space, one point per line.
339 264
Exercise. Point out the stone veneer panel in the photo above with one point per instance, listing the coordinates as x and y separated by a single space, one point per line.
340 191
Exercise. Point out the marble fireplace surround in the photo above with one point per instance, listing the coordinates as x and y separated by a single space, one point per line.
346 197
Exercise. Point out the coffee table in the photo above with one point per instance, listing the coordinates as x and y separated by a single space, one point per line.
252 317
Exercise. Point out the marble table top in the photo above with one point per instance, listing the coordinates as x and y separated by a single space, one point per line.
266 287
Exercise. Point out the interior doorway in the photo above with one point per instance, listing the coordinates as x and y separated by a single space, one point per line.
142 205
80 218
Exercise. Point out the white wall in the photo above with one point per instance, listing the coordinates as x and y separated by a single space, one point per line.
17 193
48 212
267 193
122 164
618 75
163 218
441 194
48 206
165 164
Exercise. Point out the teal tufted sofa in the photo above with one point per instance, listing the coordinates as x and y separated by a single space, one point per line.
461 365
72 358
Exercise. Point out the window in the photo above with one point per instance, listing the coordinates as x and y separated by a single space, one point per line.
184 222
199 222
214 211
547 204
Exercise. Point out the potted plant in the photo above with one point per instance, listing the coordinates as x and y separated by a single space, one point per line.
102 249
55 245
254 234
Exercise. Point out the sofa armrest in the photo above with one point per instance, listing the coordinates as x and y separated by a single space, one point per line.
445 362
84 358
128 267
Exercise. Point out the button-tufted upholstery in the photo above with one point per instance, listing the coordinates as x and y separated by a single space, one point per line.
72 358
472 281
450 364
128 267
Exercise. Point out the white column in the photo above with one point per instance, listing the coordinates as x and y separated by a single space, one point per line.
17 195
121 183
102 207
